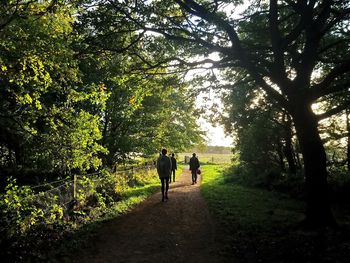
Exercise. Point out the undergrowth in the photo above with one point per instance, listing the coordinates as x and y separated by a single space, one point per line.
37 226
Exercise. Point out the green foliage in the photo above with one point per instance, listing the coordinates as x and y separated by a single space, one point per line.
155 113
67 107
42 103
258 144
17 215
70 103
41 219
272 180
147 109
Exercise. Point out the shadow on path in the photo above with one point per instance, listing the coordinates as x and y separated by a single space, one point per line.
179 230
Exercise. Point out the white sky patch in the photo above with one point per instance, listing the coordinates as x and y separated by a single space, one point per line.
216 135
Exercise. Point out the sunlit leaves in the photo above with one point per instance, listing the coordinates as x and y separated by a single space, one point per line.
44 103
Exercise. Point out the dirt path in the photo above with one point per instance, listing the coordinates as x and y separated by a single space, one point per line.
179 230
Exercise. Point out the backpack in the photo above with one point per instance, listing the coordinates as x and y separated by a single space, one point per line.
163 164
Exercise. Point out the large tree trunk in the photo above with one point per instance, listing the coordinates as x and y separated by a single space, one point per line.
318 208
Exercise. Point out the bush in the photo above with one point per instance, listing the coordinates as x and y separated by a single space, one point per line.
273 179
30 223
292 184
339 183
246 175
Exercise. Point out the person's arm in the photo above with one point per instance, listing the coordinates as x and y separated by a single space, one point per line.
158 166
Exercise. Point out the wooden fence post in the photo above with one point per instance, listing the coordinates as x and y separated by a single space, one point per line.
74 186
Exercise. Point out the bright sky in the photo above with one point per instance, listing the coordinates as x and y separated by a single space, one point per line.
216 135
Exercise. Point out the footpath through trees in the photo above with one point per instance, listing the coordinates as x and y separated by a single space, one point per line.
179 230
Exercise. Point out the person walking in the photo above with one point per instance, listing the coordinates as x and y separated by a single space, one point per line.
164 172
173 166
194 165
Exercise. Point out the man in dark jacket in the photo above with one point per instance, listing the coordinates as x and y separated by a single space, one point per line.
173 166
164 172
194 165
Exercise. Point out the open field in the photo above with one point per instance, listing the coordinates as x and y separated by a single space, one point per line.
216 158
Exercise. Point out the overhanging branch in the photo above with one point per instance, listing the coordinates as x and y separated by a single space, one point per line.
324 87
333 111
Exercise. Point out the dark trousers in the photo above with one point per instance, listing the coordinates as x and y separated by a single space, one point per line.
173 172
165 184
194 176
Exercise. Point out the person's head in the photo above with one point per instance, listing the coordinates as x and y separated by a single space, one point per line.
164 151
173 154
193 154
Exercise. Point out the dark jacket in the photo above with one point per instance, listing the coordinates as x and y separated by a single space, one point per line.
163 166
173 163
194 163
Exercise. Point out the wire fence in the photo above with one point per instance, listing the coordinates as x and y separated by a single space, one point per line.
61 195
66 190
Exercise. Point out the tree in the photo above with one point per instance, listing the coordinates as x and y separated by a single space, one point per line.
45 121
145 115
144 111
263 133
295 51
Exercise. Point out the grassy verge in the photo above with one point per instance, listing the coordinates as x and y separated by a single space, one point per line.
261 226
130 197
133 196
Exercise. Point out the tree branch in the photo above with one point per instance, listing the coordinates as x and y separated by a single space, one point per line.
324 87
333 111
237 51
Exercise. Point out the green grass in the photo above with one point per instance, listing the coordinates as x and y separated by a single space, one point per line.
262 226
135 195
248 206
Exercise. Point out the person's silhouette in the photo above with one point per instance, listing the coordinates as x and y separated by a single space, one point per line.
194 165
164 172
173 166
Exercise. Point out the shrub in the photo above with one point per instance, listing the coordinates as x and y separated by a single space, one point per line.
30 222
339 183
272 179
